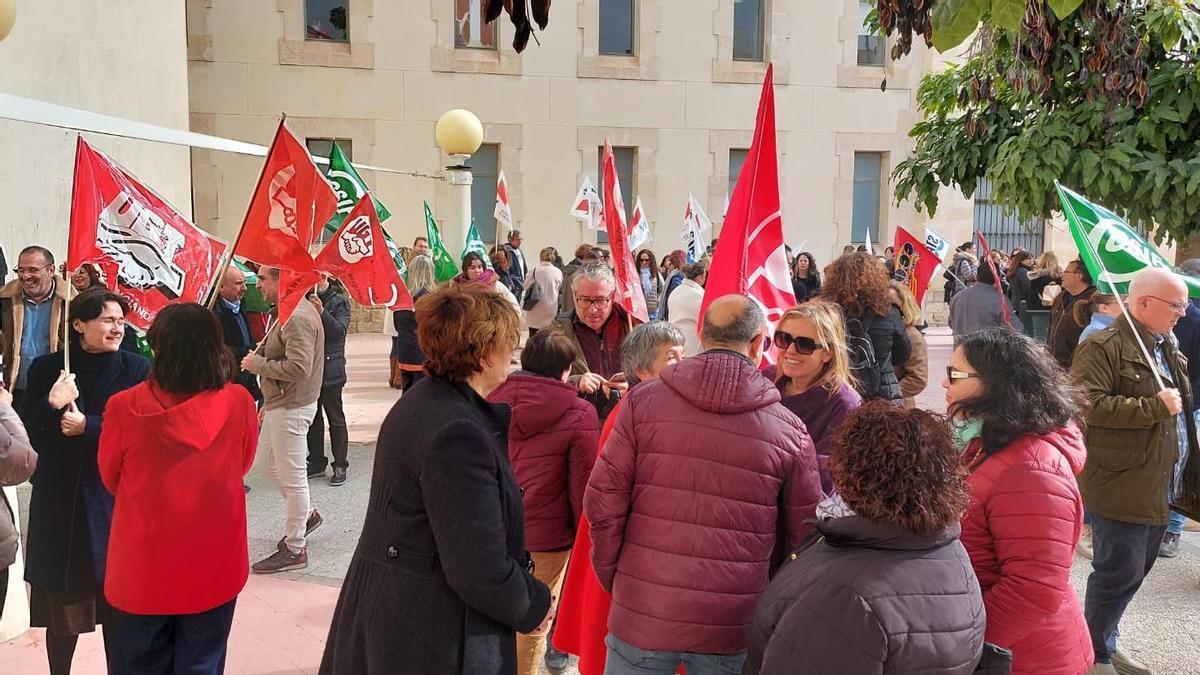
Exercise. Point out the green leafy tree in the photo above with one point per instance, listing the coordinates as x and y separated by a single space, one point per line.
1101 95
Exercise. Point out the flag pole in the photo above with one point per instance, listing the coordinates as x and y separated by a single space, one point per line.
66 345
1106 276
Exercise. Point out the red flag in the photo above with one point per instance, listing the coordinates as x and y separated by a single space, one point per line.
357 254
151 254
987 255
291 203
915 263
629 284
293 289
750 258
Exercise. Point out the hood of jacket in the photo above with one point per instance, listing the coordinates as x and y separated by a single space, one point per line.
190 426
538 403
1068 440
963 255
857 531
720 381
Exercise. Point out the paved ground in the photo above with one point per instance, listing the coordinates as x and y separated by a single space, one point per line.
281 622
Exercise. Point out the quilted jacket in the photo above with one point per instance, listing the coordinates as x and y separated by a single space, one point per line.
1020 531
702 470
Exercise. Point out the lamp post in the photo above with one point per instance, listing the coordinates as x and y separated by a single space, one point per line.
8 16
459 134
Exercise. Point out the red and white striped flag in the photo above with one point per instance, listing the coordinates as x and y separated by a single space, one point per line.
629 285
503 211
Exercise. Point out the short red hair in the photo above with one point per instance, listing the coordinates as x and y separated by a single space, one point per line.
457 326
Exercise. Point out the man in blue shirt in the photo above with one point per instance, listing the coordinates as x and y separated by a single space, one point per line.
234 326
31 315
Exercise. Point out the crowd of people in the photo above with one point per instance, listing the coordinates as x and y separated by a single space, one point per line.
703 490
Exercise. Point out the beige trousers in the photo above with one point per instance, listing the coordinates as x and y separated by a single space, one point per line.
550 569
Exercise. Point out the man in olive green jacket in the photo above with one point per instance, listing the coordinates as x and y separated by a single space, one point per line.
1140 442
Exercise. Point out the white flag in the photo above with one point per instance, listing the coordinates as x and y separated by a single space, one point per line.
639 229
503 211
587 205
695 224
870 248
938 244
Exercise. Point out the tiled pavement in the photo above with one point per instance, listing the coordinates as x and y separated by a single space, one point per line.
281 621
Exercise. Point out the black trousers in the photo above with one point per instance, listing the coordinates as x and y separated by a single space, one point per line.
330 401
180 644
1123 554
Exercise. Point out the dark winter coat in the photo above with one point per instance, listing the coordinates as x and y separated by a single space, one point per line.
1020 531
438 583
234 340
1063 334
1018 288
335 317
889 338
701 474
552 444
868 598
70 511
1187 332
405 323
805 288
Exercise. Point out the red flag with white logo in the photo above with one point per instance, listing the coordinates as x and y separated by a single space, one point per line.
150 253
750 258
629 285
291 203
358 256
503 210
915 263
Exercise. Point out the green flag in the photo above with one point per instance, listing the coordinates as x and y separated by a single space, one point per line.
444 267
1112 251
474 243
350 188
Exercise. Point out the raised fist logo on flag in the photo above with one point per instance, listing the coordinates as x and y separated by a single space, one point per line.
142 245
355 242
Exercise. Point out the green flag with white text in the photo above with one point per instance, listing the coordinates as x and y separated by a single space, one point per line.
1112 251
444 267
474 243
349 187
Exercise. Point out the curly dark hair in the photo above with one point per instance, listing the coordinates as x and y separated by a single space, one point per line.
900 467
1024 389
814 274
859 283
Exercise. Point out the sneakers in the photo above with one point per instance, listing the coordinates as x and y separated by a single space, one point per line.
314 521
1084 547
1127 665
281 560
1169 548
556 661
315 473
339 476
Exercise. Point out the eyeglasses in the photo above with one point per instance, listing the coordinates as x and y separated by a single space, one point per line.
110 322
31 270
1177 307
592 302
803 345
953 374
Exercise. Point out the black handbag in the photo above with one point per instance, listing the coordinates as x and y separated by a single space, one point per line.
533 294
994 660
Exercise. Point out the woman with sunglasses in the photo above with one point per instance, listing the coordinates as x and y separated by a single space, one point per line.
652 282
1012 411
813 373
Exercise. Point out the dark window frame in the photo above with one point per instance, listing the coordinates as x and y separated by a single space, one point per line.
346 31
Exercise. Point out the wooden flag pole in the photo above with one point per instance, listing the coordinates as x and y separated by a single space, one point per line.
66 345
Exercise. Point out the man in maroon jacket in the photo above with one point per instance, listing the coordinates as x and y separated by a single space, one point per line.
702 469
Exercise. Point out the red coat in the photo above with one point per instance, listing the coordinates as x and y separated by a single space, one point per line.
702 470
175 466
552 443
1020 531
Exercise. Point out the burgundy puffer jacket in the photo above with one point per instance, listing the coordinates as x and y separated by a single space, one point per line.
552 445
702 470
1020 531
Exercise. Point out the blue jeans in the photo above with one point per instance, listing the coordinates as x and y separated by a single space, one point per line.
1175 526
625 659
191 644
1123 554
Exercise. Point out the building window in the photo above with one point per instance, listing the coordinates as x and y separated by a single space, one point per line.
321 147
868 173
748 30
616 27
626 159
870 47
326 20
1005 231
470 31
737 157
485 169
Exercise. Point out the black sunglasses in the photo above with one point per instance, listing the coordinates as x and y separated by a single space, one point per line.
804 345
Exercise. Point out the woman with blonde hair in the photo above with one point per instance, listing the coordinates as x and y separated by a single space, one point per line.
813 373
410 359
548 279
913 373
1046 273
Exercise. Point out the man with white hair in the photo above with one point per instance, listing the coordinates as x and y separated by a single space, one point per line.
1139 436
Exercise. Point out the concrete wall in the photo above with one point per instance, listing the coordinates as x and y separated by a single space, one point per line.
682 101
118 57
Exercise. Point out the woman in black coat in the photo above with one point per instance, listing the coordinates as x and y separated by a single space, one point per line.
887 587
875 332
70 511
440 581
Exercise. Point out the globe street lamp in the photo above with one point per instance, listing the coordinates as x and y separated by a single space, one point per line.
8 16
459 134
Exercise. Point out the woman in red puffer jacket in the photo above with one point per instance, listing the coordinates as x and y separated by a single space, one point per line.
1012 410
552 444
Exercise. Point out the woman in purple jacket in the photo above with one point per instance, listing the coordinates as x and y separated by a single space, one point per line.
813 373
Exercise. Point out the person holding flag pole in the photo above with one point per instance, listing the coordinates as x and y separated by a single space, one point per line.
1140 394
